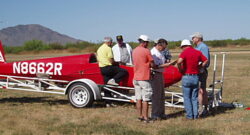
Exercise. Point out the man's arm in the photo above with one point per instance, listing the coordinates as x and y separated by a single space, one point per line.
116 53
204 63
114 62
130 55
167 64
204 60
179 65
152 64
205 52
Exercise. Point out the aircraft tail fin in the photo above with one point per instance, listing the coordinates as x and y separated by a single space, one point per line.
2 57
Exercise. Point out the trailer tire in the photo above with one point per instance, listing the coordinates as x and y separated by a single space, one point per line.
80 95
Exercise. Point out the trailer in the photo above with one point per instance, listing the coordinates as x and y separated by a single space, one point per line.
83 92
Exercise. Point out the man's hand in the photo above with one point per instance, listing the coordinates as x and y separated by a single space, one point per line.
173 62
179 64
122 63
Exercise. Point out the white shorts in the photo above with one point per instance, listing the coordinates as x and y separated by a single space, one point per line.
143 90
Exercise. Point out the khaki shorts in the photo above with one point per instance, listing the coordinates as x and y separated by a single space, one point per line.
143 90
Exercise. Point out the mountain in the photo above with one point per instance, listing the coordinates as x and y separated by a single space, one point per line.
17 35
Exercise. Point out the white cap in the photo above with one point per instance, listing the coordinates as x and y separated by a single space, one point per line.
107 39
185 42
197 34
144 37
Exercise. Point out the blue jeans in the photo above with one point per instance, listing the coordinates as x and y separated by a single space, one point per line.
190 93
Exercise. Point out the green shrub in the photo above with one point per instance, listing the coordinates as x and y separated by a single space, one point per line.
93 48
73 50
133 44
13 49
174 44
241 41
171 44
56 46
217 43
35 45
7 49
79 45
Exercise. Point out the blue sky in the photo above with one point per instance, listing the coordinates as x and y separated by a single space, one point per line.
91 20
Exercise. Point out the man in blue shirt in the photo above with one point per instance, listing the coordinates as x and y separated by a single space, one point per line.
197 39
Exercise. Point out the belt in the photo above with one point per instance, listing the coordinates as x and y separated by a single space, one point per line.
191 74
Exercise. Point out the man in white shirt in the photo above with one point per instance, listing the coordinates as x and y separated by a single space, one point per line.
122 52
158 97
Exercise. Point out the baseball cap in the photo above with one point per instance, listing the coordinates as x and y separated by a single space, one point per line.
107 39
144 38
119 37
185 42
197 34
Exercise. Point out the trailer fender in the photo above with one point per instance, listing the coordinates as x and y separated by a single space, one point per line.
95 89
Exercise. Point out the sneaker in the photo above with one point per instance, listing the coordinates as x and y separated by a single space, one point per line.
156 118
161 117
140 119
203 114
164 117
112 82
148 120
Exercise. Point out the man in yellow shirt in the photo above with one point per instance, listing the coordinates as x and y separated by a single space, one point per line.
112 74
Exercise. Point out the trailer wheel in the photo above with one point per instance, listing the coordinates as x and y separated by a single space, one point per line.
80 95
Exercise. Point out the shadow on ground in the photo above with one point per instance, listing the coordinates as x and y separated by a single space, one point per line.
214 111
23 100
221 109
53 101
176 114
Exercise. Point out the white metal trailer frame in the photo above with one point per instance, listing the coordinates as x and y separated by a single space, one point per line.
82 92
215 94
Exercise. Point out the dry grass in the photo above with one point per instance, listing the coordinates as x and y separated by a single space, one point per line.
38 113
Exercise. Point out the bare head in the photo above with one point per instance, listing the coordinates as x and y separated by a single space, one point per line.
108 41
197 38
161 44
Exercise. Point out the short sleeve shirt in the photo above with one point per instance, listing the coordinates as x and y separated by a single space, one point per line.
167 54
158 57
104 54
142 59
205 51
124 54
191 59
